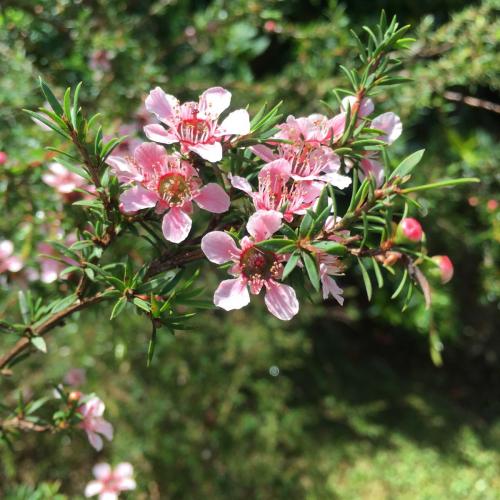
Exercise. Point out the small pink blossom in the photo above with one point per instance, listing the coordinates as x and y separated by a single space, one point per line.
51 268
253 267
307 150
278 191
75 377
93 423
109 483
330 265
409 230
65 182
169 184
8 261
445 267
194 125
3 157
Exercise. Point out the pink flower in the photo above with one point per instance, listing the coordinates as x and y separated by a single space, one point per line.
64 181
51 268
278 192
168 183
329 265
9 262
409 230
308 154
390 124
445 267
253 267
3 157
75 377
110 482
93 423
194 125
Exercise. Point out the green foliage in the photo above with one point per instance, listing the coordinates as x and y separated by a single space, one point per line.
356 403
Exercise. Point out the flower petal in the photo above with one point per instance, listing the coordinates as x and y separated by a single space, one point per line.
6 248
213 198
123 169
232 294
263 223
93 488
148 155
337 180
236 123
391 124
138 198
105 428
219 247
281 300
176 225
101 470
213 102
330 287
164 106
263 152
209 152
372 167
240 183
95 440
123 470
157 133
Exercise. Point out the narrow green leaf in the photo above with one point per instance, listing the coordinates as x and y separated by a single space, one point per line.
291 264
118 307
366 279
378 273
401 284
408 164
312 269
51 98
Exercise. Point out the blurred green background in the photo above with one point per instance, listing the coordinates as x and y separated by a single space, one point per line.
341 402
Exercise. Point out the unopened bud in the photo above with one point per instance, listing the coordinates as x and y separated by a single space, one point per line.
445 267
74 396
409 230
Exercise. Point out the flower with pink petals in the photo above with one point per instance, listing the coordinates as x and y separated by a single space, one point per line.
3 157
109 483
253 267
93 423
169 184
278 192
8 261
195 125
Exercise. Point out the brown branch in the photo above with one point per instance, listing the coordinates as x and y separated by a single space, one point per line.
55 320
472 101
24 425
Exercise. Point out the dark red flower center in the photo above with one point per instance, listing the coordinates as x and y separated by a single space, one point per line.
259 264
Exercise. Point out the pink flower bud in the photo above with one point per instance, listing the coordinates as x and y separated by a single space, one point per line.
409 230
445 267
3 157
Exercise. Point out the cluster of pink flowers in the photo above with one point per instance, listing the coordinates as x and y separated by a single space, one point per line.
299 161
66 182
